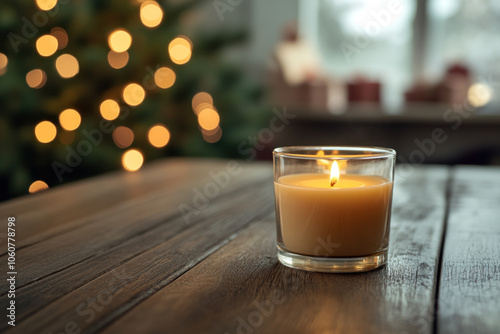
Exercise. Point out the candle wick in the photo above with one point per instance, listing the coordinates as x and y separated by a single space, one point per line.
332 182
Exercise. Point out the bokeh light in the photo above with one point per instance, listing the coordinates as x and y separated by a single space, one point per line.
67 66
46 45
133 94
164 77
180 50
201 100
117 60
62 37
212 137
123 137
70 119
479 95
132 160
158 136
46 4
3 63
208 119
119 40
45 132
36 78
151 14
110 109
37 186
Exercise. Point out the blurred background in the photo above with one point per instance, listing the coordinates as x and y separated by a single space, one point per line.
90 86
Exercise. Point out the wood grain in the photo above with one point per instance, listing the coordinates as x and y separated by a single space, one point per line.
227 292
158 255
469 293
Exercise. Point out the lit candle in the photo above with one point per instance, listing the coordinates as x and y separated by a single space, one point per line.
336 215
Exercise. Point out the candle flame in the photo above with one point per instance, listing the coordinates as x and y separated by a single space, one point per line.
334 174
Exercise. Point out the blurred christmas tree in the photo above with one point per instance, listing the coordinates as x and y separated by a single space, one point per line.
90 86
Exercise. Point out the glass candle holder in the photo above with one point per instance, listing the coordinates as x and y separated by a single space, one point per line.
333 207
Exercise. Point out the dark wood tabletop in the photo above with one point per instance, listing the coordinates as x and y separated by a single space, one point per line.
188 246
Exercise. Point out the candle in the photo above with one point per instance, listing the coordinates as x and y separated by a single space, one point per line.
333 210
348 219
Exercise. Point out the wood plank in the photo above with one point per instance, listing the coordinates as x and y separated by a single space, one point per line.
227 292
469 293
97 233
43 291
49 211
135 280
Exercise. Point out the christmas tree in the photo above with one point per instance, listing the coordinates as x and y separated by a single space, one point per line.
91 86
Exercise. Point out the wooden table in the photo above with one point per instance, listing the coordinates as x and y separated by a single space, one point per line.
132 253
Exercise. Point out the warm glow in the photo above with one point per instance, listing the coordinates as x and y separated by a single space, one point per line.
119 40
37 186
164 77
208 119
36 78
158 136
322 162
46 4
70 119
3 63
62 37
213 136
123 137
151 14
133 94
180 50
334 174
109 109
202 99
67 66
117 60
479 95
45 132
46 45
132 160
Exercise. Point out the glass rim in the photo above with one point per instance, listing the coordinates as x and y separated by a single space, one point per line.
365 152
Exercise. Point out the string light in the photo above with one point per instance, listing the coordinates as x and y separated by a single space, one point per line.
67 66
120 40
37 186
208 119
36 78
180 49
123 137
3 63
117 60
201 101
132 160
45 132
479 95
212 137
46 4
158 136
164 77
46 45
151 14
133 94
109 109
70 119
62 37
